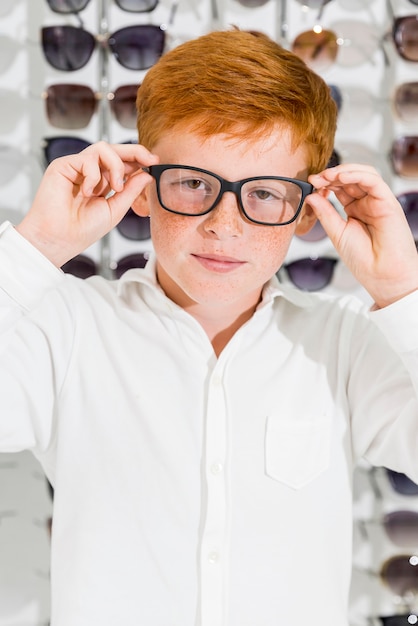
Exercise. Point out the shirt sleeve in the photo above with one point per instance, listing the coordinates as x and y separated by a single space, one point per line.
35 341
383 387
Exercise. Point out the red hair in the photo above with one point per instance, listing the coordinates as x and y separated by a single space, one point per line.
241 84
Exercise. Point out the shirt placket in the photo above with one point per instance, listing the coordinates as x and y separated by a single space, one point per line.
213 556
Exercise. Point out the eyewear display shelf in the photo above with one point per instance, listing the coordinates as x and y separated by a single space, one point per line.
362 62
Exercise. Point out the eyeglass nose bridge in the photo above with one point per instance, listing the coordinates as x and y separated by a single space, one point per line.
233 187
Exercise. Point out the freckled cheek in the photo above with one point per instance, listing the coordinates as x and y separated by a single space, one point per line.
169 231
271 250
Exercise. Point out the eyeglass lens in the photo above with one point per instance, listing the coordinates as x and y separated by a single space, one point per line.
401 483
195 192
400 573
406 101
404 156
405 36
402 527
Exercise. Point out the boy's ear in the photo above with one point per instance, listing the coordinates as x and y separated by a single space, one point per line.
305 220
140 205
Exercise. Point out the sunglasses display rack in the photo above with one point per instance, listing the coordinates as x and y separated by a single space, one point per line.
59 102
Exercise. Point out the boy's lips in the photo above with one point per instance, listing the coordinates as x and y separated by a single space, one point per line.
218 263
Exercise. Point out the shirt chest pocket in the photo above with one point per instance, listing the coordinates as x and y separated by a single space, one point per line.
297 450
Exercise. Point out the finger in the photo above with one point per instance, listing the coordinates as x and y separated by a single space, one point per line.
355 180
332 222
103 167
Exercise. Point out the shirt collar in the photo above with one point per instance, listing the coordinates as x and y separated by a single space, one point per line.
272 289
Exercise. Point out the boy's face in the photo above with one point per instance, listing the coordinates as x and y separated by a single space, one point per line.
220 258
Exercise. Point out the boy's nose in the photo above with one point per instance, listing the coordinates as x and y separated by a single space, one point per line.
225 219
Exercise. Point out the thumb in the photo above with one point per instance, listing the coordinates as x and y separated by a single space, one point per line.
121 201
331 220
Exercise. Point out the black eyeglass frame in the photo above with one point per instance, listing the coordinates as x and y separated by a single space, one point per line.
226 185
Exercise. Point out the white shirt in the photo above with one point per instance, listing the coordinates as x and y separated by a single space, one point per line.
190 490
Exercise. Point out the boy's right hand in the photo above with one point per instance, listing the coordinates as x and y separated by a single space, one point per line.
72 210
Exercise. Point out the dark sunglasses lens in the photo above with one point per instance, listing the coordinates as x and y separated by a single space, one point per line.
318 50
405 36
406 101
399 620
80 266
134 227
311 274
62 146
131 261
404 156
70 106
137 6
401 483
67 48
123 105
138 47
400 573
409 203
402 528
67 6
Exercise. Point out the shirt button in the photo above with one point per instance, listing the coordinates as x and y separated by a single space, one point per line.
213 557
216 468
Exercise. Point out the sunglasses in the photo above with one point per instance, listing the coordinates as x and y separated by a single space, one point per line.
357 106
83 266
404 156
73 106
349 42
409 203
312 273
55 147
74 6
69 48
400 527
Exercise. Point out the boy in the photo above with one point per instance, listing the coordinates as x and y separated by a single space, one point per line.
200 422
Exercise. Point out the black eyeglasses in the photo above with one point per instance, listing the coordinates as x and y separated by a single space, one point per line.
266 200
75 6
69 48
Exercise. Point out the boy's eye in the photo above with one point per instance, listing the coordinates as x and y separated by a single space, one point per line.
194 183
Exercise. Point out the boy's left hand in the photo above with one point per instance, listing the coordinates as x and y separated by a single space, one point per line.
375 241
